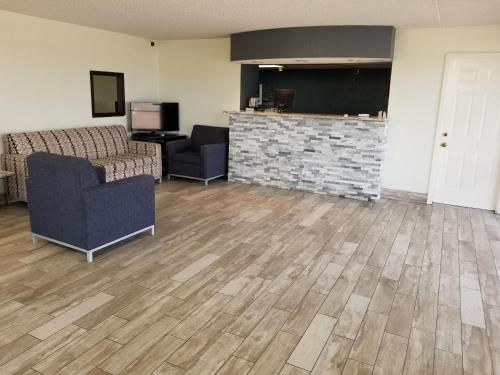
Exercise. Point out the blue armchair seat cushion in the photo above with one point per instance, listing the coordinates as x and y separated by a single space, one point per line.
188 157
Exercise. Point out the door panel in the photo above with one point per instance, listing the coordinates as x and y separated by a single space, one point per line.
454 167
491 123
466 165
462 113
483 172
467 75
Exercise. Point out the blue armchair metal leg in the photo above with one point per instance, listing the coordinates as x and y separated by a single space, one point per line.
205 180
90 253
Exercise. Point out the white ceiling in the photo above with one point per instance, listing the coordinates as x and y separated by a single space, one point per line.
184 19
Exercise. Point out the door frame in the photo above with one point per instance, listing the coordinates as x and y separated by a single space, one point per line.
497 210
436 163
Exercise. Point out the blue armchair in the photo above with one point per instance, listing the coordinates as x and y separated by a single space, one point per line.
69 206
201 157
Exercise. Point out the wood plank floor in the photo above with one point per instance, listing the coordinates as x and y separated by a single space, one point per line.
250 280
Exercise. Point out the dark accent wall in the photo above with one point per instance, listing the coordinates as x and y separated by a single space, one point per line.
314 42
249 83
332 91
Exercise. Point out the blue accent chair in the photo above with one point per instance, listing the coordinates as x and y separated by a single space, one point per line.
201 157
69 206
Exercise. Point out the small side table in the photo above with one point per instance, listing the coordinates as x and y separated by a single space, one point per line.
4 175
162 140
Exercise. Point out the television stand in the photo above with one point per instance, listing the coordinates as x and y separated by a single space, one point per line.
156 135
162 139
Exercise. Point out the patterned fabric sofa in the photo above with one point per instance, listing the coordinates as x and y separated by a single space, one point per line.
106 147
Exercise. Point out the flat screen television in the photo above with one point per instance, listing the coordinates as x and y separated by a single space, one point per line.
169 117
155 117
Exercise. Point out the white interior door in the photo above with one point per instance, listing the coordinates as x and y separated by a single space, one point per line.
466 165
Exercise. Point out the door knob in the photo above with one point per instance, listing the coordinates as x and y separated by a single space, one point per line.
444 144
445 134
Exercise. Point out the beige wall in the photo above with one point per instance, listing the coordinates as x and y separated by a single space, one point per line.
417 73
198 75
44 72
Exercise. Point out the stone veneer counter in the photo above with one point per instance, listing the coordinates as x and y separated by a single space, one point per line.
317 153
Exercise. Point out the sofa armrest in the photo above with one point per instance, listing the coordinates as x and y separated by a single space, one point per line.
118 208
14 163
144 148
213 158
16 184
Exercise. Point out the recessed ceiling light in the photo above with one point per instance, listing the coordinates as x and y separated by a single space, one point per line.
271 66
300 60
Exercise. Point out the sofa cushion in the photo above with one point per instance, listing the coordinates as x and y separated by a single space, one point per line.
121 166
88 143
188 157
